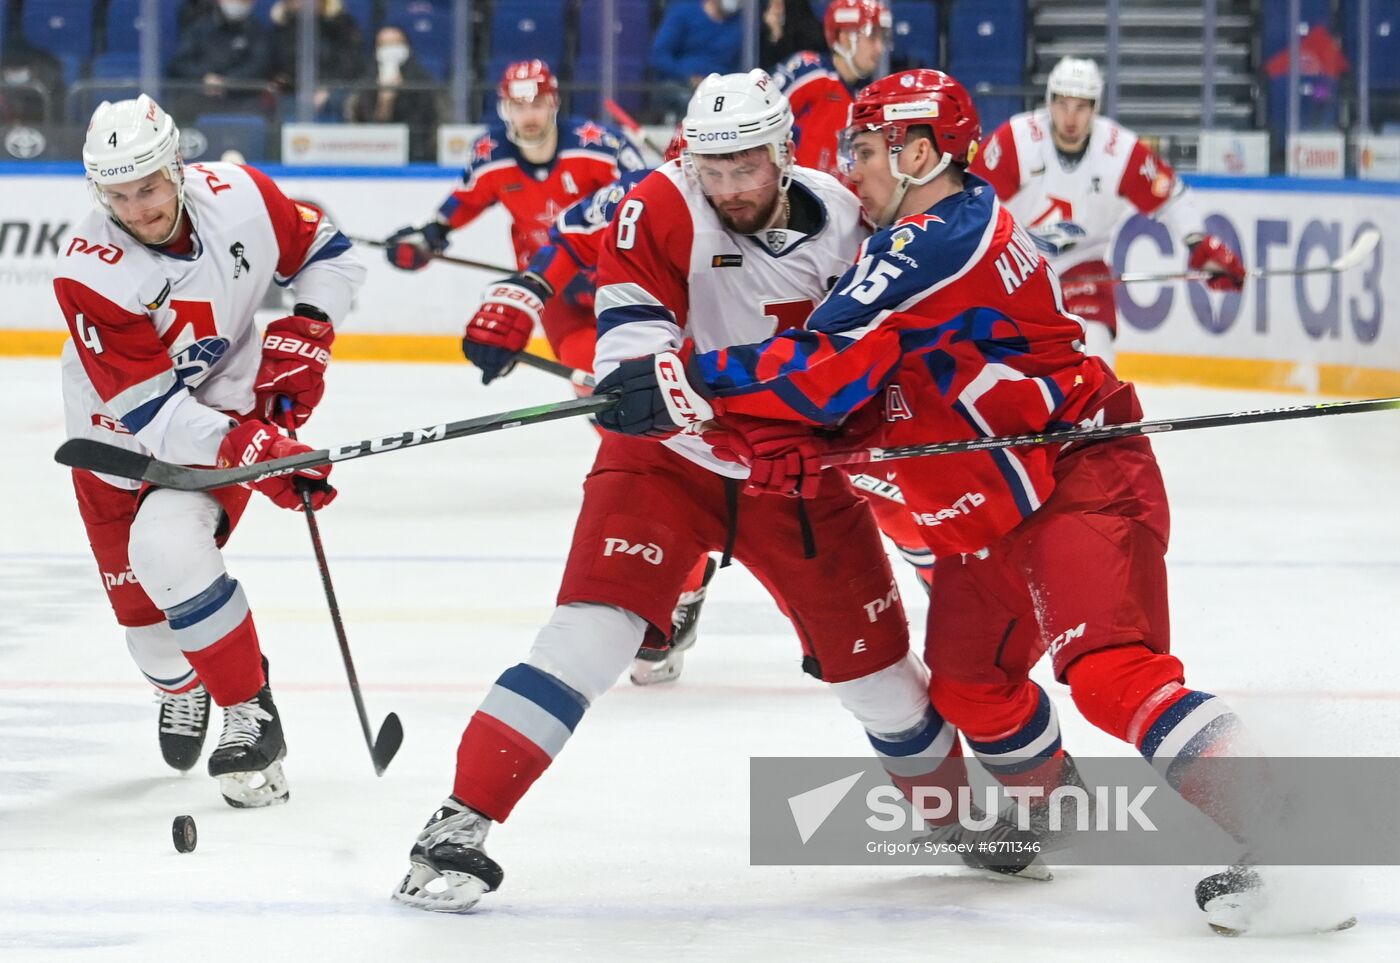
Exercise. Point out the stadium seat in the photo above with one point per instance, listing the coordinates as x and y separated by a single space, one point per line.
62 27
1318 104
1383 32
124 28
631 95
987 41
633 28
427 24
915 33
1273 18
526 29
122 64
995 110
245 133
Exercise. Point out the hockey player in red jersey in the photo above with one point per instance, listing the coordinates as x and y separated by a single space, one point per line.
534 163
158 286
820 85
1072 176
952 310
714 249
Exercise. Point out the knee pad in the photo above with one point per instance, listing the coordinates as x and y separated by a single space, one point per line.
1111 686
982 711
892 700
172 548
587 646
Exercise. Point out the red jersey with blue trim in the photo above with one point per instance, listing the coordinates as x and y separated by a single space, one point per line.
589 156
820 102
953 321
569 262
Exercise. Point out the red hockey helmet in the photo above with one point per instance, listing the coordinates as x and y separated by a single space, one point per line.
915 98
527 80
866 17
920 98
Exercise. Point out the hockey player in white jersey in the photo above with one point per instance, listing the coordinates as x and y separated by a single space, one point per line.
727 244
158 286
1071 176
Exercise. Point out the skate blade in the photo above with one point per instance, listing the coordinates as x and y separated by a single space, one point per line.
652 673
1224 930
255 790
425 888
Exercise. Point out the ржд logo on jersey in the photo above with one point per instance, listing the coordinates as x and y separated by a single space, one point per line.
649 551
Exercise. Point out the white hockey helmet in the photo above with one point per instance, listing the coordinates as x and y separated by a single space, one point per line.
735 112
128 140
1074 77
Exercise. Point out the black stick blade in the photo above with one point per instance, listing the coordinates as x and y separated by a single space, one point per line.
92 455
386 745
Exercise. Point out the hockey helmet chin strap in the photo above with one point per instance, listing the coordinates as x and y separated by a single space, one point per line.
905 181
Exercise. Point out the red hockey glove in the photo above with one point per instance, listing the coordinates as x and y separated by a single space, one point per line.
783 457
295 352
1211 255
411 248
255 441
656 398
502 326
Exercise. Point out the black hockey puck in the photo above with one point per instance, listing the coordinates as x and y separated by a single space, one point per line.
184 834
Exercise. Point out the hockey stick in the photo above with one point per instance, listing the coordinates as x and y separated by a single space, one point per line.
383 748
1105 432
578 376
108 459
1364 244
449 258
866 483
631 128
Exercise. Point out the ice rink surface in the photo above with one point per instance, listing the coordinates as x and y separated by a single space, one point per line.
1285 568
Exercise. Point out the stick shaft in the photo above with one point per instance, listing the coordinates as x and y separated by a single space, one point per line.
1106 432
449 258
97 456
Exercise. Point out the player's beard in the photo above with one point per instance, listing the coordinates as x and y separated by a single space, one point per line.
746 217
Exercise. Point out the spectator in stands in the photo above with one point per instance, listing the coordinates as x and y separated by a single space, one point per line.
389 103
695 39
340 52
31 82
789 27
229 52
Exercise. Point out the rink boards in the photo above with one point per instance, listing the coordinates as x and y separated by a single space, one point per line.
1320 333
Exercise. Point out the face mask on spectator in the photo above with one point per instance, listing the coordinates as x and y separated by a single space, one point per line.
391 54
236 9
729 6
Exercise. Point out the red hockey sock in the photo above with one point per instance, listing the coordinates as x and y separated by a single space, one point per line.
496 766
231 668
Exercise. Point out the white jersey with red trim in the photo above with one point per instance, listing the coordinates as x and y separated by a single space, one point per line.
163 345
1073 208
671 272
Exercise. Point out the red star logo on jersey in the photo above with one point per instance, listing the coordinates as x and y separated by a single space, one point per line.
810 57
919 220
589 133
484 147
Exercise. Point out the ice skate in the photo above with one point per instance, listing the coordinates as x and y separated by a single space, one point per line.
449 870
181 725
248 759
1001 848
653 665
1232 900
